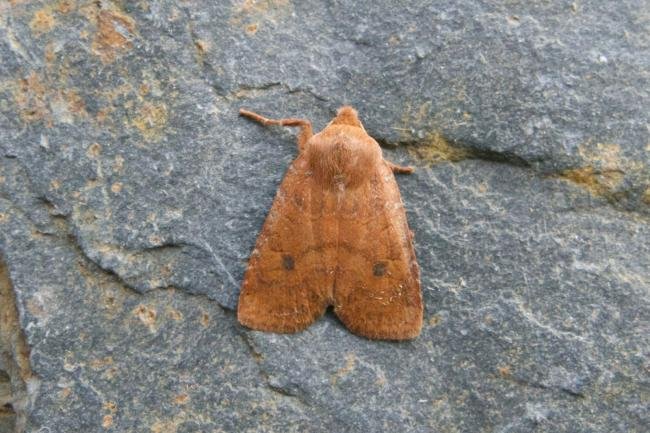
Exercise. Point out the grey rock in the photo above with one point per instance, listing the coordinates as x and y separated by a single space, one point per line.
131 194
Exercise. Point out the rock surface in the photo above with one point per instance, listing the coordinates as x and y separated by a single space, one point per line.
131 194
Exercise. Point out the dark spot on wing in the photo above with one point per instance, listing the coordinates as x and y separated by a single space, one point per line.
379 269
287 262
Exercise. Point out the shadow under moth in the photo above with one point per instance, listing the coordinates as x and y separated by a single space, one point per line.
336 236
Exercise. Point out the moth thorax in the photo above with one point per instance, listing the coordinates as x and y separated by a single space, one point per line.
342 162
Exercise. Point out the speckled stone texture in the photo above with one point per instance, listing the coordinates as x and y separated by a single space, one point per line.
131 194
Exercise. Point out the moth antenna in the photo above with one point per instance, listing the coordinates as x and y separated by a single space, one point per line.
305 125
400 169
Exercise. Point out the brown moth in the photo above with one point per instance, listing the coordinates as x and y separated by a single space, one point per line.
336 236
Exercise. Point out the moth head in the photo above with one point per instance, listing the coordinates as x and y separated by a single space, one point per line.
347 115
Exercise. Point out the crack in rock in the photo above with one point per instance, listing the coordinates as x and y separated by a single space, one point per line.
16 376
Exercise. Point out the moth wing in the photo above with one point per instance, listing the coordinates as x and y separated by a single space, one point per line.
288 282
377 290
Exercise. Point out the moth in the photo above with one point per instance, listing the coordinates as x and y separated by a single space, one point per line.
336 236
